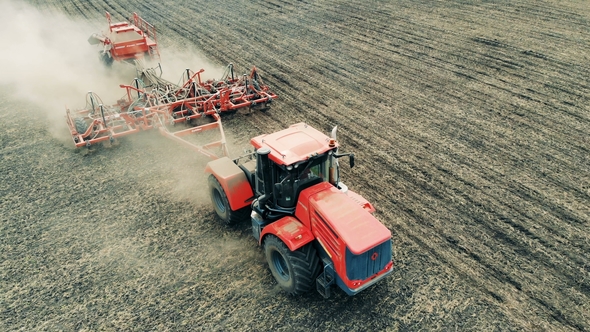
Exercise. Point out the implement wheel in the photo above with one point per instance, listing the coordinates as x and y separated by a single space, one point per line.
221 204
294 271
106 59
81 125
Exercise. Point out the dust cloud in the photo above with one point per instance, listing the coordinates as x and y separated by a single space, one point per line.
47 61
176 59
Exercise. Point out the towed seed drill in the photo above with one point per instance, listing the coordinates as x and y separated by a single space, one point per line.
316 233
162 104
127 41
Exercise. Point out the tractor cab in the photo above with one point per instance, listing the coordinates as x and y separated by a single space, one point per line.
292 179
290 161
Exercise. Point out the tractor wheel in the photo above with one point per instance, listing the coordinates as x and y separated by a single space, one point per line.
81 125
221 204
295 271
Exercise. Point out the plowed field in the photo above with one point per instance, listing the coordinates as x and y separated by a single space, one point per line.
470 121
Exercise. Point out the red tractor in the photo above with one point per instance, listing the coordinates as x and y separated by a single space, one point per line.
314 230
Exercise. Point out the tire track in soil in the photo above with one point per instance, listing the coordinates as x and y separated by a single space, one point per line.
500 235
439 59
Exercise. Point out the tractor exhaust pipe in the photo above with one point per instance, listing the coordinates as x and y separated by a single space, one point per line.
264 187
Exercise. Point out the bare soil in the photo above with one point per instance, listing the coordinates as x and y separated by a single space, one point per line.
470 122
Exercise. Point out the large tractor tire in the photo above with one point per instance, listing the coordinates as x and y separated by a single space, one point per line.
295 271
221 204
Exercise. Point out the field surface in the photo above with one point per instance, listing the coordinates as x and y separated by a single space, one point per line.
470 121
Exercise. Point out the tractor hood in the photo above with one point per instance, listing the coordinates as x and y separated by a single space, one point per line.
355 225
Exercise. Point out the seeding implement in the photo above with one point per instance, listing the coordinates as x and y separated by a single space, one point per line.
127 41
314 230
161 104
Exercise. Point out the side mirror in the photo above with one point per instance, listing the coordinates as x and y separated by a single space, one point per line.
351 160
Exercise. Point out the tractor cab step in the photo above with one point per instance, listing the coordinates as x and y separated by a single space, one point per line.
326 279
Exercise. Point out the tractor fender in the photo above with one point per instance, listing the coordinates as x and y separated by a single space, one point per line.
292 232
233 181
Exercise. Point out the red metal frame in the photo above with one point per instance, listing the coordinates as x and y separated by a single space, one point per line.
140 109
162 104
203 149
140 39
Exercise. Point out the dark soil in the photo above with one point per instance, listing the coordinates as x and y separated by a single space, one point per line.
470 122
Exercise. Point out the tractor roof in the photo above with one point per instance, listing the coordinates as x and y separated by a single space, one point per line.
296 143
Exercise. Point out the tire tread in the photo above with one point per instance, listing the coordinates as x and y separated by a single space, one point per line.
304 262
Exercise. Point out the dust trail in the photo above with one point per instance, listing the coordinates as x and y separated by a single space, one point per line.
177 58
46 60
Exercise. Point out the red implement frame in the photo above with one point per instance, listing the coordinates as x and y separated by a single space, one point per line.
127 41
143 109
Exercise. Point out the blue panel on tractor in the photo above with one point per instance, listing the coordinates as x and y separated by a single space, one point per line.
365 265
